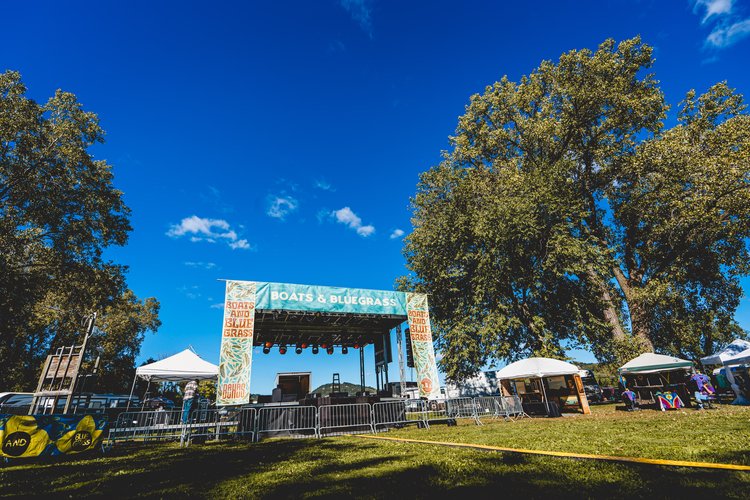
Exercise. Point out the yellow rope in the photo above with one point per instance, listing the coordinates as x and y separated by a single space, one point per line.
652 461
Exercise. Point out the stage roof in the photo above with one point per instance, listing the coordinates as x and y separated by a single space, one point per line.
290 327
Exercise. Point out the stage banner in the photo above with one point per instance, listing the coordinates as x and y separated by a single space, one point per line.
285 296
236 355
25 436
421 341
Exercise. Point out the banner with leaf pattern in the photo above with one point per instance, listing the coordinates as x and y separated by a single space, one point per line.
24 436
236 355
418 313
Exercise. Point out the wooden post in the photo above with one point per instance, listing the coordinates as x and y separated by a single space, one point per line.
581 395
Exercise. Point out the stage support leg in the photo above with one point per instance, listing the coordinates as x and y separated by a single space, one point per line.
401 372
362 369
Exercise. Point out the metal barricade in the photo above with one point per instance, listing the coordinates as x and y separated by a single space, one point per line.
461 408
490 407
146 425
291 421
514 407
397 413
416 411
345 419
436 410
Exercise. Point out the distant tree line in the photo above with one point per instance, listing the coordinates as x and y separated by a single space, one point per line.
58 212
566 214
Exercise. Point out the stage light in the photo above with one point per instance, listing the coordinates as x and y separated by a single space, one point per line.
356 346
344 350
329 350
266 349
304 346
282 349
269 344
315 349
298 349
324 346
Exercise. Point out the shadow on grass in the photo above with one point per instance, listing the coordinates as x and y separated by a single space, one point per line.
348 467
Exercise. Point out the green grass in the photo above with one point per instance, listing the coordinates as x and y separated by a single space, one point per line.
354 467
719 435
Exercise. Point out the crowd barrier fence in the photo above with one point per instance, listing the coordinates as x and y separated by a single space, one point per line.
308 421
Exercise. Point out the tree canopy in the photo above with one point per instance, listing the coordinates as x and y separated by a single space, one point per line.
567 215
59 210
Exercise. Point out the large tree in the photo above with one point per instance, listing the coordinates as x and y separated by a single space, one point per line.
58 212
557 219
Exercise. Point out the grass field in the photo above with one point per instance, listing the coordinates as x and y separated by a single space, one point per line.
355 467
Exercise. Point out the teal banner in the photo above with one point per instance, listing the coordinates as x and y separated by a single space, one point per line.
285 296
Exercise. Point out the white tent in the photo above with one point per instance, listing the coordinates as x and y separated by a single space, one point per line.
541 368
185 365
649 362
537 367
736 353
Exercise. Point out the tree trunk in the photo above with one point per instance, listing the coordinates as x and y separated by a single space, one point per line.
638 324
610 311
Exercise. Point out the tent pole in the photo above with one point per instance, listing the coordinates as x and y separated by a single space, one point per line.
148 386
132 388
546 401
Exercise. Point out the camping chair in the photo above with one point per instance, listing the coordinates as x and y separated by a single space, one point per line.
669 401
628 397
704 400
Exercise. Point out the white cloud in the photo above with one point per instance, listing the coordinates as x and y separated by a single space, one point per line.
397 233
241 244
365 230
361 13
191 292
207 230
281 206
724 36
324 185
347 217
201 265
220 305
727 26
714 8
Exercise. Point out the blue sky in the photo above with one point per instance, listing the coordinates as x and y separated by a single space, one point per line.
281 141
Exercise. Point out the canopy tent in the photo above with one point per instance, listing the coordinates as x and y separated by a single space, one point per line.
537 367
541 368
183 366
649 362
736 353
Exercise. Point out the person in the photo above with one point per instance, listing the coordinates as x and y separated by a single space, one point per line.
628 397
188 397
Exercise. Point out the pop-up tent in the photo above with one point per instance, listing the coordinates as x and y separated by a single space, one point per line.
183 366
736 353
649 362
650 374
538 368
558 375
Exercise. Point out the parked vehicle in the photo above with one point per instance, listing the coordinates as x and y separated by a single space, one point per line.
591 387
15 403
19 403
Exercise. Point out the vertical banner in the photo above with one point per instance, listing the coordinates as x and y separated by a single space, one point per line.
236 344
421 340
